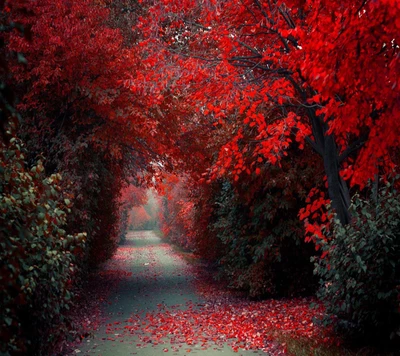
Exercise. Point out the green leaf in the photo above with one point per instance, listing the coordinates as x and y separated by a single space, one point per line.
21 58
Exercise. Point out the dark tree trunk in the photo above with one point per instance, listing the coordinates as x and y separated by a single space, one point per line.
325 145
337 187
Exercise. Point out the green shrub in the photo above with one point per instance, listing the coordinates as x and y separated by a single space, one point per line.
360 271
263 250
94 182
37 257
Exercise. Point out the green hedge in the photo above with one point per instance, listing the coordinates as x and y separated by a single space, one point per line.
360 274
263 250
37 257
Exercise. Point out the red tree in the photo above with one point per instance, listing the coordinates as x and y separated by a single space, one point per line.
139 217
277 69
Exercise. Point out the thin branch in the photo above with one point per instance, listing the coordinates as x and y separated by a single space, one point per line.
355 146
249 48
287 18
362 5
271 21
314 145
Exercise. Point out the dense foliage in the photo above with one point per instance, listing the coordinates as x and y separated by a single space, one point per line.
248 228
360 275
263 250
272 75
37 257
63 110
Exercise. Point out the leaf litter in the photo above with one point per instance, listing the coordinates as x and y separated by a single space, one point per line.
220 318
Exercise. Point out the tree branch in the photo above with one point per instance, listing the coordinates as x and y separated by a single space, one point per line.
354 147
314 145
250 48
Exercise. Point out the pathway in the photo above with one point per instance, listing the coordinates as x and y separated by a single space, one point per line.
155 283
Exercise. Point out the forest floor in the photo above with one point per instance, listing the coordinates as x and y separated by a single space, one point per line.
151 301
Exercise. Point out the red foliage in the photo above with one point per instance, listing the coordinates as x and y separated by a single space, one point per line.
133 196
185 215
83 81
273 75
356 93
248 80
138 217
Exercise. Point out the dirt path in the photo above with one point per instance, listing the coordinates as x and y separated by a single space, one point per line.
155 284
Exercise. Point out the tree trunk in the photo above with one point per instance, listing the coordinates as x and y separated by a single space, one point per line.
325 145
337 187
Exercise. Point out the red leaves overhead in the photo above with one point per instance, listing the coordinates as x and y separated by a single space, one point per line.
272 76
219 87
82 77
358 90
133 196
